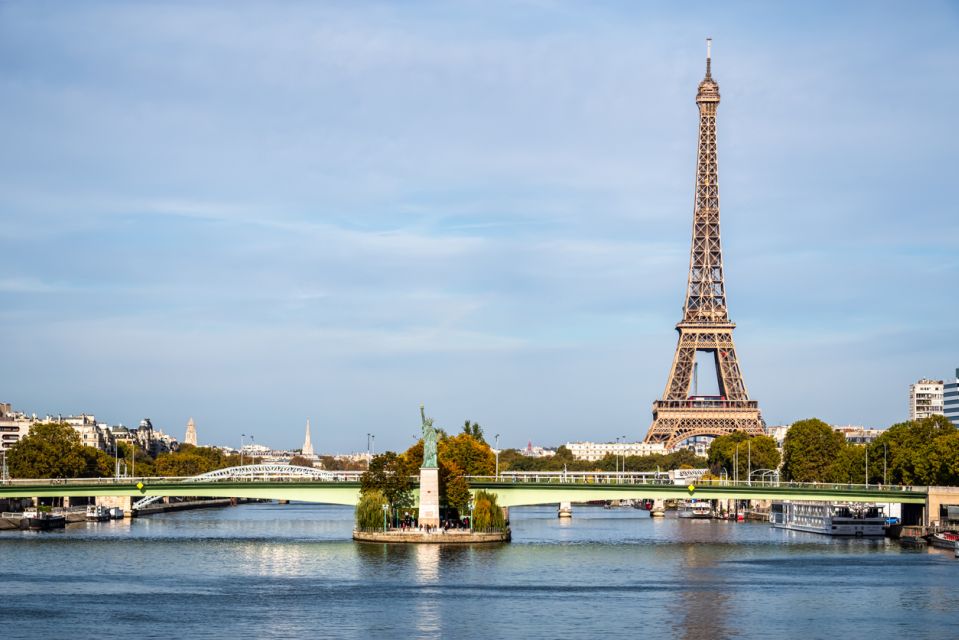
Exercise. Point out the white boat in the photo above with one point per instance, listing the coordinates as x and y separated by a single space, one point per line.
116 513
831 519
696 509
96 513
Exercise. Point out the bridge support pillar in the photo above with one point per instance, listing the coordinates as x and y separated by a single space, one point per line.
565 510
124 502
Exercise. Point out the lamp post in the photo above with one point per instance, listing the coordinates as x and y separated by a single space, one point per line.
252 448
368 456
373 444
736 464
242 435
624 454
615 449
884 481
385 508
496 451
749 462
867 465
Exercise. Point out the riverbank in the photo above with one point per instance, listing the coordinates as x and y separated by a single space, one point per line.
453 536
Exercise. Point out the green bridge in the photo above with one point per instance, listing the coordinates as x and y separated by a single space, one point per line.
512 490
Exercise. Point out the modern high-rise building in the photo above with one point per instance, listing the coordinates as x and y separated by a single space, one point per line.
950 399
925 399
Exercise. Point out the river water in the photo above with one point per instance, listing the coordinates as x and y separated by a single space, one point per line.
282 571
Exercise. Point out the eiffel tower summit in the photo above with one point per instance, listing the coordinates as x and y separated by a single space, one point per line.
705 327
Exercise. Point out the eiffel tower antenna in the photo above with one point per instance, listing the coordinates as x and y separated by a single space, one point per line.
705 327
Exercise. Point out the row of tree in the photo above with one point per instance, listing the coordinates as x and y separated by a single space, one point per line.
54 450
917 452
514 460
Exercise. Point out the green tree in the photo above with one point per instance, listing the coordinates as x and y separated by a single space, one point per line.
473 429
369 510
486 512
49 450
755 452
99 464
390 474
810 451
907 447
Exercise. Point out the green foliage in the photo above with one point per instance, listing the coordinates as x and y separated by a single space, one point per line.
473 456
50 450
473 429
457 493
919 452
99 464
369 510
390 474
486 513
332 464
811 452
755 452
190 460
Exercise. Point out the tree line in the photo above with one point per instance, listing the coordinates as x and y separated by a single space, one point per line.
54 450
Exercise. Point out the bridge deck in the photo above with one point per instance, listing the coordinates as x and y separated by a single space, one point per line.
511 490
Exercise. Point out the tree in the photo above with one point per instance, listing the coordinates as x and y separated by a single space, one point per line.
99 464
369 510
810 451
486 513
301 461
50 450
755 452
907 446
473 429
473 456
390 474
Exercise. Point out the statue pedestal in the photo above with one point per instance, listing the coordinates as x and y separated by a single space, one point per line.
429 497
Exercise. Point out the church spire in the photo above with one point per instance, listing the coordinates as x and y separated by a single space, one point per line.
307 445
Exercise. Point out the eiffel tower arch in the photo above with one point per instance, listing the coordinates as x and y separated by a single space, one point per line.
705 327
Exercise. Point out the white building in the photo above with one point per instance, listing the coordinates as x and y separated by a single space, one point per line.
593 451
778 433
925 399
13 426
856 434
950 399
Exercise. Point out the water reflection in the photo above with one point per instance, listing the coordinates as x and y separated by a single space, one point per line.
701 610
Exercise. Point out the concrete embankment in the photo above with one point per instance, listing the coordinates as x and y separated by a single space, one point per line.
191 504
415 537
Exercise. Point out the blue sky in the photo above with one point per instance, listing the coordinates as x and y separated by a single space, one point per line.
255 213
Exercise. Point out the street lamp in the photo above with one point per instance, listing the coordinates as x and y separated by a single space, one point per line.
253 448
242 435
884 481
616 450
496 451
749 462
736 464
385 508
624 454
373 443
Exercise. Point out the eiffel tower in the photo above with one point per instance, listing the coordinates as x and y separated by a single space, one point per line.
705 326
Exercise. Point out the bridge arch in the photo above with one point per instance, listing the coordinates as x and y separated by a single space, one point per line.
254 472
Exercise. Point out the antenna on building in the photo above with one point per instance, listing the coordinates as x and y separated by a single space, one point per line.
709 55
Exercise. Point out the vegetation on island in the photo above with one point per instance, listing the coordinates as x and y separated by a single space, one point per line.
465 454
563 460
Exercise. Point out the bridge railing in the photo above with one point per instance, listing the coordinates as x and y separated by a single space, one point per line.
662 479
125 481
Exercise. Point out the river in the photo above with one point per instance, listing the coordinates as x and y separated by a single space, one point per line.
282 571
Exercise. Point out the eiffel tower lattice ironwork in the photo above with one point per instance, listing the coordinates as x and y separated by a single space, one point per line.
705 326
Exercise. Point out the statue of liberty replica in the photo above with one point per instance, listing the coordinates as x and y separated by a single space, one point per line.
429 475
